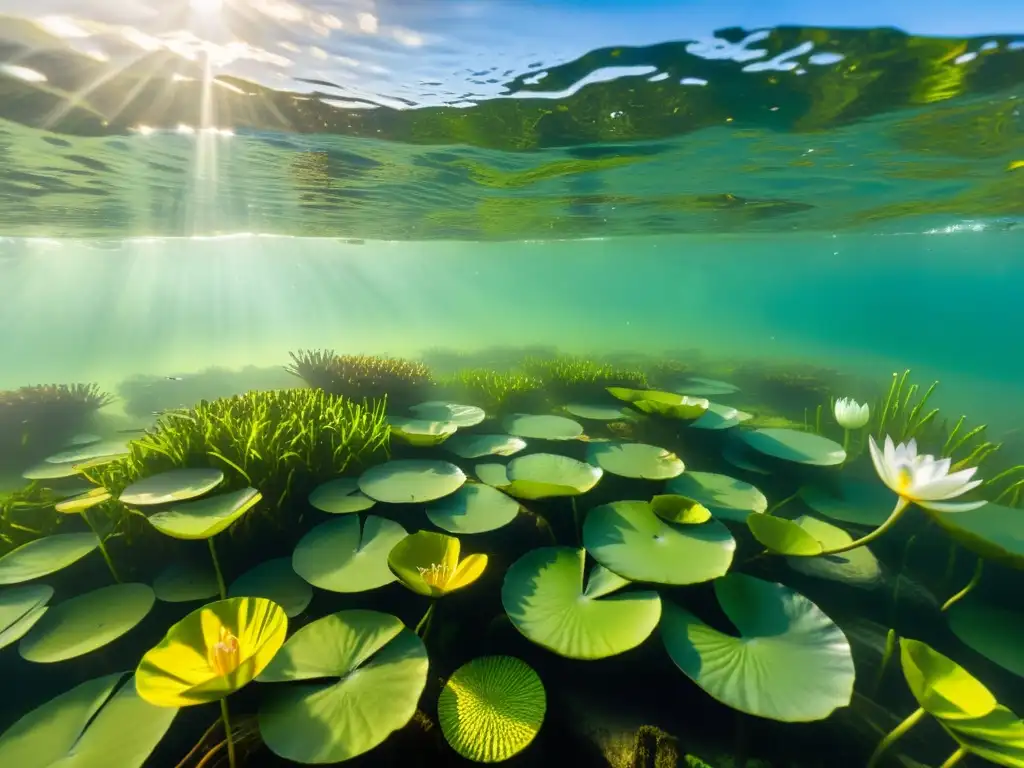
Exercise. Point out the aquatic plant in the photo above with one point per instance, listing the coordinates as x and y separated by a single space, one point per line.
494 391
28 513
567 376
851 416
36 420
362 376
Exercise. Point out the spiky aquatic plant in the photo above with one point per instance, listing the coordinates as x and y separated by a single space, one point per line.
362 376
569 376
35 420
26 514
492 390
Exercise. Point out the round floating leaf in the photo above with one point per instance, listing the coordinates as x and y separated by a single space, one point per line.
856 567
343 555
793 445
454 413
205 518
183 582
101 450
365 672
790 663
49 471
492 708
673 508
542 427
991 531
740 455
340 497
995 633
494 475
474 508
782 536
706 387
175 485
595 412
212 652
78 504
89 726
421 432
850 500
87 622
475 446
725 497
544 597
636 460
667 404
411 481
76 441
543 475
428 563
627 538
720 417
45 556
277 581
20 609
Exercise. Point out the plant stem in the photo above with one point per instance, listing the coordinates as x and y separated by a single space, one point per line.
975 579
890 645
103 546
216 569
424 624
782 503
227 726
894 516
846 441
955 758
893 735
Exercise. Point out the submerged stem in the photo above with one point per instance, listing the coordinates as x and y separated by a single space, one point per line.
895 734
955 758
216 569
846 441
890 646
975 579
103 547
227 725
424 624
782 503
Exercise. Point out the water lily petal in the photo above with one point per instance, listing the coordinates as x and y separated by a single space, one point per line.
417 553
951 506
468 571
946 488
881 461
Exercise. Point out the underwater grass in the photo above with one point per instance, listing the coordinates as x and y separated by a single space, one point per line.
36 419
362 376
568 376
492 390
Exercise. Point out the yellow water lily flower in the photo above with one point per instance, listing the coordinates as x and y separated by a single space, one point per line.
428 564
212 652
922 479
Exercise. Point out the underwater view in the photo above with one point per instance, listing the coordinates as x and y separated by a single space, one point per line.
576 383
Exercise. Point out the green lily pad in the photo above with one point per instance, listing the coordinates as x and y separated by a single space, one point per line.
697 385
542 427
275 580
545 475
343 555
421 432
856 567
783 537
860 502
75 505
411 481
720 416
340 497
995 633
205 518
627 538
359 676
475 446
20 609
492 708
89 726
667 404
798 447
175 485
185 582
545 599
991 531
636 460
725 497
790 662
474 508
84 623
680 510
82 439
48 471
595 412
454 413
79 454
494 475
44 556
739 454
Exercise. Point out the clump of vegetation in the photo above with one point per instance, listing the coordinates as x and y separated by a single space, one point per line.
665 373
35 421
362 377
654 748
26 514
578 376
283 443
493 391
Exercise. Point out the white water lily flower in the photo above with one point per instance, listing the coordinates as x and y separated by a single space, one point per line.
850 414
922 479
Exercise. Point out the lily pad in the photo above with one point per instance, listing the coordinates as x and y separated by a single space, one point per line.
343 555
545 475
76 441
542 427
48 471
595 412
725 497
340 497
795 446
681 510
856 567
411 481
783 537
492 708
360 676
89 726
790 662
474 508
44 556
20 609
205 518
739 454
100 450
706 387
720 416
174 485
545 599
627 538
275 580
860 502
636 460
455 413
421 432
86 622
991 531
82 502
475 446
995 633
185 582
667 404
494 475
